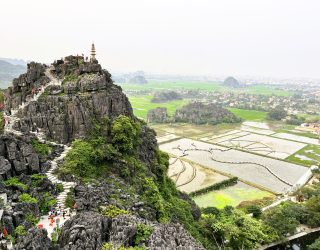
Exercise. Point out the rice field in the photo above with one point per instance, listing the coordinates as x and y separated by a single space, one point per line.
256 143
191 177
297 138
230 196
270 174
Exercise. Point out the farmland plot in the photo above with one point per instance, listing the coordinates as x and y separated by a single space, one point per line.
230 196
297 138
277 176
265 145
191 177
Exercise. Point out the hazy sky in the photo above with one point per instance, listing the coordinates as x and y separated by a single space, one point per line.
214 37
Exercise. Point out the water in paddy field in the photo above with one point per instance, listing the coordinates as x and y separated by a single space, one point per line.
299 243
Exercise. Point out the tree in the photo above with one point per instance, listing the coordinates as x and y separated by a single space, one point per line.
282 222
277 114
315 245
78 160
124 133
236 228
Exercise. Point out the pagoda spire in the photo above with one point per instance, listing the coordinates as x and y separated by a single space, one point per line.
93 52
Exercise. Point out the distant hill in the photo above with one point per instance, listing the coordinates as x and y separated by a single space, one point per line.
9 71
200 113
166 96
138 80
15 61
137 77
232 83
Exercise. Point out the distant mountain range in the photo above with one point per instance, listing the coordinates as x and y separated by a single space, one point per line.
8 71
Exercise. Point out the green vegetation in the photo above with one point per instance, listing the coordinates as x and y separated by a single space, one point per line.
249 115
27 198
309 155
142 104
55 235
223 184
143 234
20 231
315 245
230 196
109 151
113 211
258 89
260 203
59 188
70 78
47 203
69 202
239 230
277 114
15 182
41 148
32 219
37 179
125 133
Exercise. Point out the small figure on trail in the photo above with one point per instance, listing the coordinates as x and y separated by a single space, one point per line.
34 91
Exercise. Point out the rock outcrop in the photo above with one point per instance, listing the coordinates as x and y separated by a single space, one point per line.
166 96
139 79
24 84
158 115
89 230
84 231
67 112
35 239
17 156
200 113
232 82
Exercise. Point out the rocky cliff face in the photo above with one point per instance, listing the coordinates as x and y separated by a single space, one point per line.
17 156
67 112
23 85
87 230
158 115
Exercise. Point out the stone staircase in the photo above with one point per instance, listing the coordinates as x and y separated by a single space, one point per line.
40 136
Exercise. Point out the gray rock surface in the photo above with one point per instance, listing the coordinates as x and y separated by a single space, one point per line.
84 231
36 239
23 85
17 156
90 230
158 115
67 112
232 82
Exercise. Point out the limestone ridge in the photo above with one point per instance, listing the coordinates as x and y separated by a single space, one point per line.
66 112
60 103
